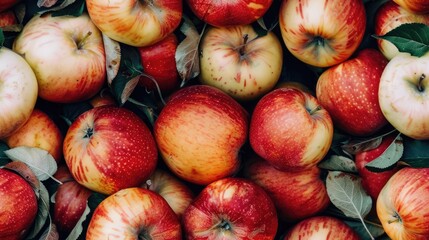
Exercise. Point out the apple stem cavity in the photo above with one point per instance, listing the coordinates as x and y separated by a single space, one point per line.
88 132
397 219
224 225
312 111
420 86
144 235
81 42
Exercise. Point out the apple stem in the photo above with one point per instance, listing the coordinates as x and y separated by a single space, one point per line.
420 86
82 41
397 219
245 41
312 111
224 225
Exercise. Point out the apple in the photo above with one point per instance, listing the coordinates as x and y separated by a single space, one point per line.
18 92
290 129
403 94
18 205
296 195
322 33
228 13
294 84
110 148
136 23
321 227
402 205
66 54
231 208
39 131
200 132
389 16
237 61
134 213
103 98
417 6
7 18
7 4
349 92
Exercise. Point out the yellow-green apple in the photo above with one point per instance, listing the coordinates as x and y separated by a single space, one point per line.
39 131
7 4
67 55
290 129
134 213
231 208
18 92
7 18
404 94
389 16
321 227
296 195
349 91
200 132
110 148
402 205
417 6
175 191
237 61
373 182
18 205
228 13
138 23
158 61
322 33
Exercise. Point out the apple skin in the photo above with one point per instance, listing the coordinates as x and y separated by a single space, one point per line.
290 130
200 132
322 33
67 55
403 95
322 227
134 213
136 23
231 208
229 13
296 195
402 205
103 98
7 4
349 91
389 16
416 6
109 148
16 193
18 92
234 60
7 18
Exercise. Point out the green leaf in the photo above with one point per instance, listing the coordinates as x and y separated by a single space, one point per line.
376 230
409 37
71 111
416 153
42 213
339 163
1 38
4 159
74 9
388 159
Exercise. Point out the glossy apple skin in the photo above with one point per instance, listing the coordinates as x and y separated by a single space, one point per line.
229 13
296 195
200 132
67 55
7 4
349 92
416 6
244 72
389 16
402 205
231 208
136 23
134 213
109 148
16 193
285 133
322 227
7 18
341 25
18 93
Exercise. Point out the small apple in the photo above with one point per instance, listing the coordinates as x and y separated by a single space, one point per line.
7 4
136 23
7 18
134 213
290 129
322 33
200 132
417 6
66 54
403 94
349 92
402 205
239 62
228 13
231 208
110 148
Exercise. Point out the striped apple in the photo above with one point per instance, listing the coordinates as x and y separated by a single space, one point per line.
417 6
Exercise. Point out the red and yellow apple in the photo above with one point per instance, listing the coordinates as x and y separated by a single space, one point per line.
7 18
417 6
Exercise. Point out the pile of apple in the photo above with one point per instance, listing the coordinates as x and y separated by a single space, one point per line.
199 119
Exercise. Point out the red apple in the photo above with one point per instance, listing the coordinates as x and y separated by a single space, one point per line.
290 129
200 132
322 33
7 4
103 98
402 205
417 6
134 213
110 148
228 13
231 208
7 18
349 91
